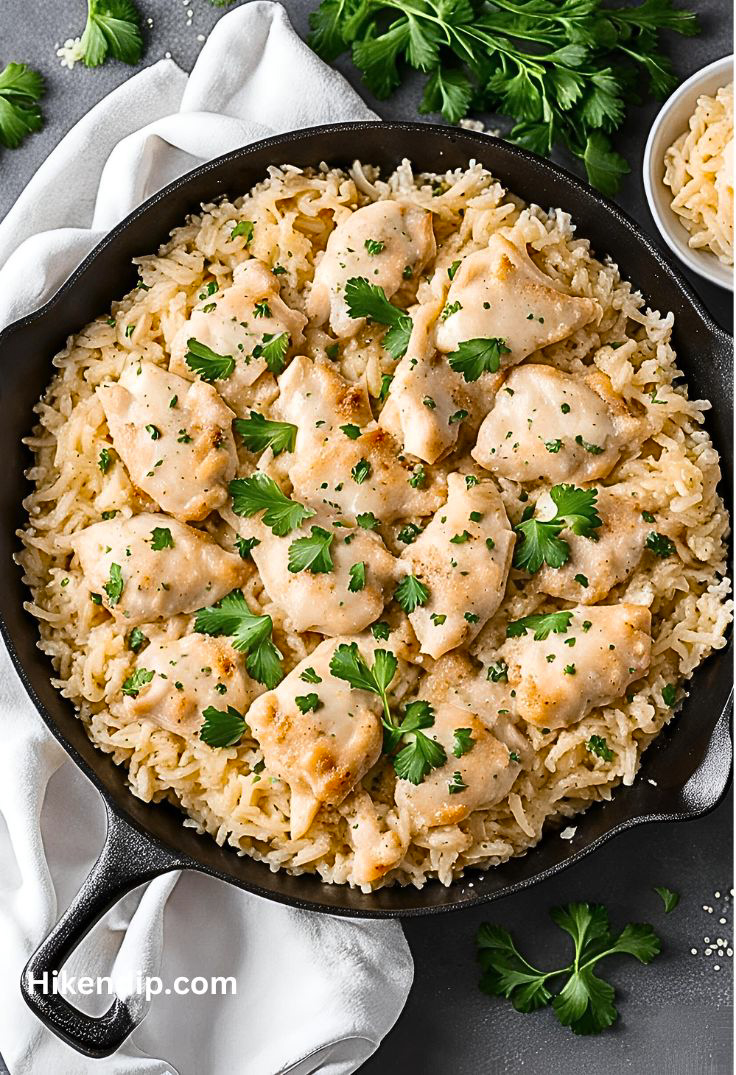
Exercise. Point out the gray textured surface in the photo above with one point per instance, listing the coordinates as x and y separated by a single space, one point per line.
676 1014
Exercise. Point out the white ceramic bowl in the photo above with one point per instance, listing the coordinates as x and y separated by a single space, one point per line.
672 120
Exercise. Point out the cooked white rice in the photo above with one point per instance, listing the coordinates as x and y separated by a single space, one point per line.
675 472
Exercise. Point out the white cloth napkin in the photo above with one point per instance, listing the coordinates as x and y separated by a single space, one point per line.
314 993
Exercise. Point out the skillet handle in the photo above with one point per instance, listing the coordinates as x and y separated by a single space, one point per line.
128 859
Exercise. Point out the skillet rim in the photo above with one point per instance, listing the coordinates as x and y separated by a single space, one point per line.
577 190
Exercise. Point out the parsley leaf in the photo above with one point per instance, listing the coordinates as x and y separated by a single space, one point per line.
259 433
114 27
360 471
464 741
20 90
474 357
136 640
660 545
207 363
669 898
368 300
261 493
312 553
420 754
136 680
106 460
114 588
411 592
161 538
543 625
221 729
351 431
310 676
597 745
272 349
357 577
245 546
586 1002
541 542
367 520
248 633
348 663
307 703
243 227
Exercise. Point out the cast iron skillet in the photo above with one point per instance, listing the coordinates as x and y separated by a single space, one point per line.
684 773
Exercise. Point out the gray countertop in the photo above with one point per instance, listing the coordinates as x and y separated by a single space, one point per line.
676 1014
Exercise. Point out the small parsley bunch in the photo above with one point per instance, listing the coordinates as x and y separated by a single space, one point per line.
248 633
541 542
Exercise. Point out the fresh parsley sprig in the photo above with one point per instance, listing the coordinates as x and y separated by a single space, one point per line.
114 27
563 70
222 728
543 626
368 300
272 349
312 553
207 363
541 542
586 1002
21 88
248 633
259 433
475 357
259 493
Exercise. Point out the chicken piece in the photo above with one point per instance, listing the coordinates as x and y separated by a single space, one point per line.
549 426
317 399
191 674
321 753
379 242
377 850
484 775
557 680
234 322
463 557
174 437
183 576
322 601
427 399
330 469
501 293
596 566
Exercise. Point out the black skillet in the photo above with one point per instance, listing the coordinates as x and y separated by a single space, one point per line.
684 773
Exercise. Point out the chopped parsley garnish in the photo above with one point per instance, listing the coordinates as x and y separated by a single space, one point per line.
453 269
114 587
248 634
245 228
450 309
418 478
542 625
259 433
456 785
272 349
410 593
207 363
360 471
368 300
153 432
262 309
647 517
386 379
374 246
351 431
259 493
464 741
221 729
245 546
565 408
429 403
438 618
660 545
310 676
161 538
106 460
594 449
541 542
498 671
367 520
380 631
669 898
582 580
136 680
357 577
669 694
136 640
586 1002
470 481
458 416
460 539
597 745
312 553
307 703
553 446
420 754
113 26
475 357
409 533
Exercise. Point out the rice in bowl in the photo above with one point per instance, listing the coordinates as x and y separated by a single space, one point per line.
668 468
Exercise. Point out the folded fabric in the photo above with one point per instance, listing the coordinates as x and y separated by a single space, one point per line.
314 993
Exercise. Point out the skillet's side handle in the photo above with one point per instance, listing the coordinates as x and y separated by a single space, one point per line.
127 860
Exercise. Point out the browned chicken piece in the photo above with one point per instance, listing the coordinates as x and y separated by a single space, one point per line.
380 242
377 849
174 437
190 675
428 402
324 601
596 565
551 426
188 571
500 293
238 321
340 470
320 750
557 680
463 557
480 777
